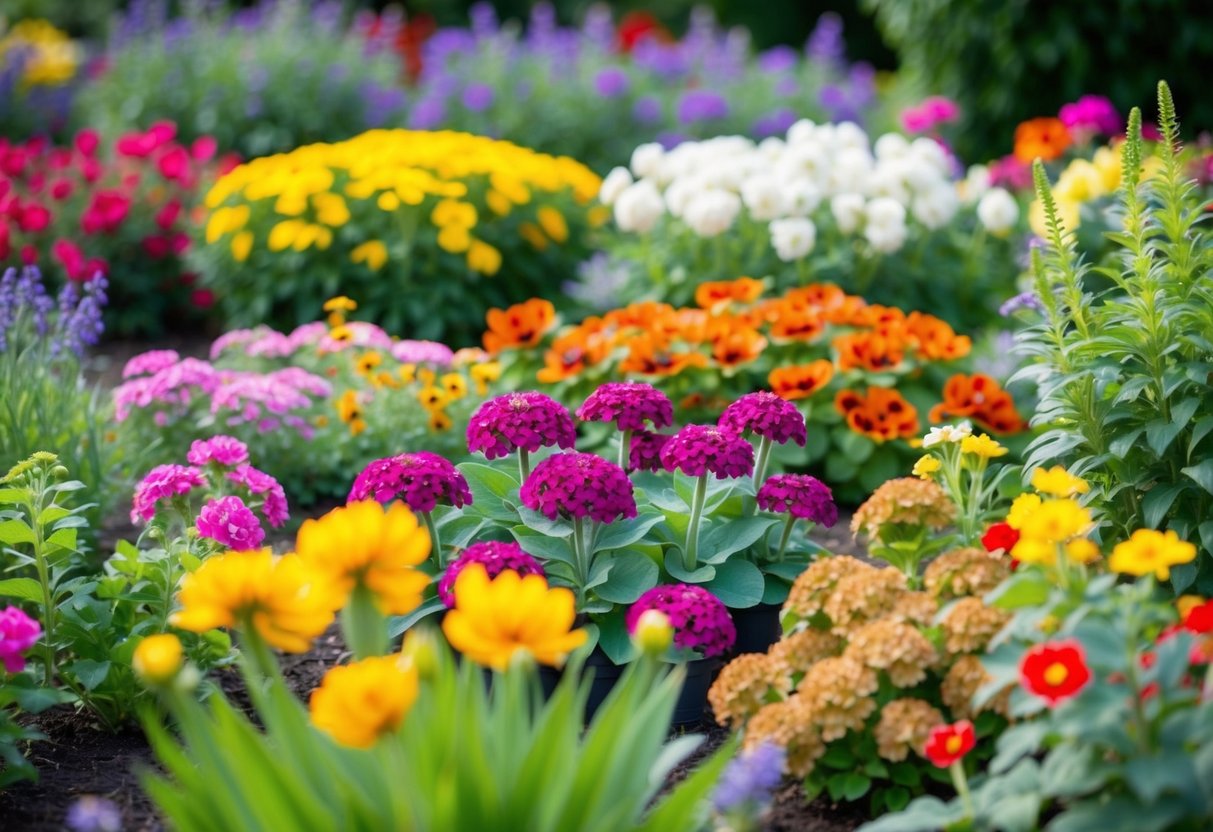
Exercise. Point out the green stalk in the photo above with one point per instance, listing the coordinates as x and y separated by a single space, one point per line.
44 578
435 541
258 658
961 783
524 463
362 624
580 555
761 459
787 534
690 555
625 446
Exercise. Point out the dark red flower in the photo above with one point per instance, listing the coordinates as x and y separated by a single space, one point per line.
61 189
1000 536
948 744
635 27
1055 671
29 254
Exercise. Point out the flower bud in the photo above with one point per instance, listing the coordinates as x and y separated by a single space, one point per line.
59 472
653 634
158 658
420 651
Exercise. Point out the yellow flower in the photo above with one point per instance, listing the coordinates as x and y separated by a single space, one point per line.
408 373
454 239
483 258
653 633
1058 482
533 235
1057 521
340 333
367 362
433 398
553 224
498 203
350 411
451 213
1028 550
285 234
494 619
280 599
331 209
455 385
1022 507
1149 551
1082 550
358 703
485 374
362 544
340 303
439 421
372 252
385 379
242 244
982 446
158 658
426 376
388 202
926 466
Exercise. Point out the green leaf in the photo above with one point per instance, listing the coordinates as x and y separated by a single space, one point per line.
623 533
88 672
855 786
23 589
738 583
1157 502
398 624
13 532
1022 590
537 522
613 637
1202 473
631 575
673 565
731 536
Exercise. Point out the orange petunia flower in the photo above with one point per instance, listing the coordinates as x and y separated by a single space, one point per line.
868 351
738 346
980 398
881 414
714 295
638 315
884 319
521 325
933 339
794 324
650 355
1046 138
802 380
823 296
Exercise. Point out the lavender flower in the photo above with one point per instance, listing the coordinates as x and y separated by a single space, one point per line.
701 105
749 780
1024 300
478 97
825 45
93 814
611 82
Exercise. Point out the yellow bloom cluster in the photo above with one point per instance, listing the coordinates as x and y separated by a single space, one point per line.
384 181
1084 180
50 56
1058 524
358 703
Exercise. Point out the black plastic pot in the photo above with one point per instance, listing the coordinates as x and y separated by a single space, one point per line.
757 628
693 700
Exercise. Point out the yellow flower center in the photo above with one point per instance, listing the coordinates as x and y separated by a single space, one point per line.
953 743
1055 674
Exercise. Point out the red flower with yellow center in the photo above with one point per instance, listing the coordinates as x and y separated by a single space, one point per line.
948 744
802 380
882 414
1055 671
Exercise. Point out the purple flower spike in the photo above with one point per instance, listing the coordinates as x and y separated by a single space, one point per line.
529 421
496 557
697 450
767 415
573 486
421 479
802 496
700 620
630 405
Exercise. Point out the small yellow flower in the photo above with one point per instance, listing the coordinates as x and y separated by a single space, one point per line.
483 258
433 398
455 385
440 421
1082 550
321 421
451 213
363 544
553 224
358 703
1058 482
1149 551
1022 507
372 252
242 245
982 446
426 376
385 379
367 363
926 466
533 235
280 599
340 303
1028 550
653 634
408 373
388 202
494 619
485 374
342 334
331 209
350 411
498 203
454 239
158 658
1057 521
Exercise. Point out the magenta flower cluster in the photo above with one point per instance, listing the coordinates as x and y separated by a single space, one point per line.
260 484
222 450
574 485
18 633
230 523
700 620
421 479
164 482
698 450
497 558
802 496
644 453
528 420
630 405
767 415
1092 114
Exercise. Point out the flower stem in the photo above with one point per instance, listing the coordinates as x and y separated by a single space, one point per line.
44 578
690 555
524 463
362 624
787 534
625 446
961 783
435 541
761 458
580 555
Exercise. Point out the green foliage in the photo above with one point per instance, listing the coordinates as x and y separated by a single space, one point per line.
1124 373
464 758
1047 54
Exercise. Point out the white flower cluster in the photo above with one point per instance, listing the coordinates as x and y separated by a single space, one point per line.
873 189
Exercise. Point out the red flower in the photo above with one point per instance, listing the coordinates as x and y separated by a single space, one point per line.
167 215
70 257
29 254
12 162
106 212
174 164
90 169
162 132
59 158
999 536
5 244
202 298
1055 671
87 141
203 149
636 26
156 246
948 744
33 218
135 145
1199 619
61 189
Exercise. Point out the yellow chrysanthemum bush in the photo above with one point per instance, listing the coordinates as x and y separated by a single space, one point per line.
427 229
410 736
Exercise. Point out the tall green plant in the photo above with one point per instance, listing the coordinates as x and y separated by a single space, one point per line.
1125 374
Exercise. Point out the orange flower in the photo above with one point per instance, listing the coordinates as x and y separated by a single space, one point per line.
883 319
824 296
881 415
649 355
802 380
868 351
793 324
738 346
638 315
934 339
714 295
1046 138
981 399
522 325
571 354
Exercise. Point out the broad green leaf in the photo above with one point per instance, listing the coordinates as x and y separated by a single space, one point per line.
699 575
631 575
1202 473
14 532
23 589
738 583
623 533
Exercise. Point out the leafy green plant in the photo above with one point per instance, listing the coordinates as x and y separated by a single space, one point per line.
1124 377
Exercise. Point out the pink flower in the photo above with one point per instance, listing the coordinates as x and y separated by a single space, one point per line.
573 485
700 620
698 450
801 496
767 415
630 405
106 213
259 483
224 450
421 479
174 164
152 361
644 453
163 482
496 557
229 522
527 420
929 114
203 149
86 142
1091 114
18 633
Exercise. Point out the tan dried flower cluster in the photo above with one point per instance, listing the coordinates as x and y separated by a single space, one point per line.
904 726
896 648
743 686
795 654
969 625
962 572
963 680
810 590
791 725
863 597
907 500
916 608
839 693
